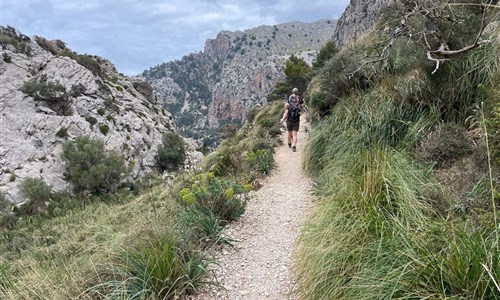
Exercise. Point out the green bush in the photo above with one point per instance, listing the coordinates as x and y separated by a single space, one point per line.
91 120
104 129
90 167
226 200
62 133
101 111
154 268
171 153
37 194
44 90
90 64
45 44
6 58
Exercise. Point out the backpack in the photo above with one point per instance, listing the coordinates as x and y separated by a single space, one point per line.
293 108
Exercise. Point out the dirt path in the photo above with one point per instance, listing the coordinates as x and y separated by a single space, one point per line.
259 265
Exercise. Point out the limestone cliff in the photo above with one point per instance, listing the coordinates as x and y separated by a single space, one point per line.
234 73
358 18
49 94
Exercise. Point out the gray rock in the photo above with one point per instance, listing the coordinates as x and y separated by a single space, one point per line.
30 145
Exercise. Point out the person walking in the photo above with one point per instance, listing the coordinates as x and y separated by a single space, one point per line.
293 110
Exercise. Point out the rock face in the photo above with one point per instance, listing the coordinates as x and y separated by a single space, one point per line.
358 18
71 95
234 73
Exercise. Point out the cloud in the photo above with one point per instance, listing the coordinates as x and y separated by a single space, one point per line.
136 35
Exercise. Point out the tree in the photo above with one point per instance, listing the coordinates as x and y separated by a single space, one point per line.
325 53
171 153
90 167
297 72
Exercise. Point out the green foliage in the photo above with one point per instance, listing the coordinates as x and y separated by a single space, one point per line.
52 93
224 199
37 194
201 227
62 133
6 58
104 128
171 153
91 120
44 90
155 268
229 158
251 114
260 161
10 36
297 72
101 111
325 53
45 44
90 64
90 167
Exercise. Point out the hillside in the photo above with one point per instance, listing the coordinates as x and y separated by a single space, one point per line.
50 94
234 73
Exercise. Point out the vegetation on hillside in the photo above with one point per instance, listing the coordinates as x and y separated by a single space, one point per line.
143 240
403 153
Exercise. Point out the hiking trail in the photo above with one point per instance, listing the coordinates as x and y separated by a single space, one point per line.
259 266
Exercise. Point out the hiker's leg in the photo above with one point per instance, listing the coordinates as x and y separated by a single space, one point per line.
289 129
294 138
295 129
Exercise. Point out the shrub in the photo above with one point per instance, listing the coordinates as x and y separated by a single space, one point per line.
62 133
226 200
6 58
251 114
37 194
104 129
101 111
155 268
77 90
44 90
52 93
90 64
90 167
91 120
171 153
45 44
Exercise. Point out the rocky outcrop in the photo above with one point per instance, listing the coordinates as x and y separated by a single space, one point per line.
358 18
234 73
47 99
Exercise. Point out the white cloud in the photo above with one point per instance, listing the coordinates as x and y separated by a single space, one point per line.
136 35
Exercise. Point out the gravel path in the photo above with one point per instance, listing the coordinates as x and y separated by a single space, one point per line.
259 265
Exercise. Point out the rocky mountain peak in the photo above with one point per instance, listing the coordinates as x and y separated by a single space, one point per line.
234 73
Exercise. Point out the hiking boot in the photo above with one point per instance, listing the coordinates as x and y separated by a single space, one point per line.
294 149
289 145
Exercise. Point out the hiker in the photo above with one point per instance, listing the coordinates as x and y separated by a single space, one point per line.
293 109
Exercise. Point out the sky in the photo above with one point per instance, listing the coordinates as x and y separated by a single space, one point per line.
137 35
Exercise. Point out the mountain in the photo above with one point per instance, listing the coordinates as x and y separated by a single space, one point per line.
358 19
49 95
234 73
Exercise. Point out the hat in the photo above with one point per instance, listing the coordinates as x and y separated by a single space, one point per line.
295 90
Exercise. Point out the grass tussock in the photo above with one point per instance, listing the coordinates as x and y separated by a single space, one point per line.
148 241
386 226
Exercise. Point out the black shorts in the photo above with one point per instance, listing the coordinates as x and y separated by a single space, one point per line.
292 126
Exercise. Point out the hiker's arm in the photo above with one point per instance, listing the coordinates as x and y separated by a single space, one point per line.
285 114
